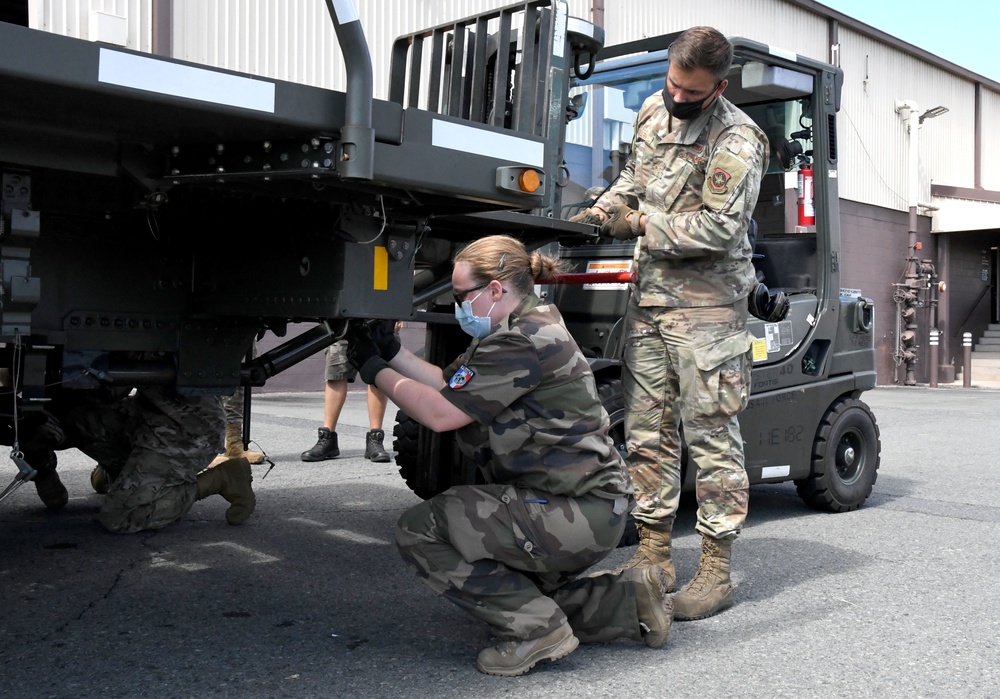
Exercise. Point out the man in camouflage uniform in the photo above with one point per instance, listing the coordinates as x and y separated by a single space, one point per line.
693 176
526 408
154 445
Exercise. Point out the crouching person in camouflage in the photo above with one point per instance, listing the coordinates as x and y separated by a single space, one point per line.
152 448
525 405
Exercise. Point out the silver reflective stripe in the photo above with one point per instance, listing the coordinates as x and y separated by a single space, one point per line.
165 78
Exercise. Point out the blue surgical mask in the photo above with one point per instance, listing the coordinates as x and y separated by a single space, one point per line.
476 326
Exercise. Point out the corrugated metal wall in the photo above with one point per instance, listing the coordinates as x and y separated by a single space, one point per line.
991 140
770 21
874 139
72 18
294 39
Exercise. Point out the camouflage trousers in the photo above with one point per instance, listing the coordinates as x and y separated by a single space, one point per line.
687 368
511 557
157 442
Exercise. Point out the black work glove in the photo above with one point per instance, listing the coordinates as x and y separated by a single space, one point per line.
767 305
587 216
383 333
362 352
622 223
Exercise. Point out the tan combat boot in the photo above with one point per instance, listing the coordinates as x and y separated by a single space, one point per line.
654 550
513 658
231 479
234 446
710 590
653 606
99 480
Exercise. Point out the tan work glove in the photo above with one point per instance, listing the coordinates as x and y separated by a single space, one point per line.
588 216
623 223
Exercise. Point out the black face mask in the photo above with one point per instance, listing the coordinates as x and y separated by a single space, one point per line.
685 110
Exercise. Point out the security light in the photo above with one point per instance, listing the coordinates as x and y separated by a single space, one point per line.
933 112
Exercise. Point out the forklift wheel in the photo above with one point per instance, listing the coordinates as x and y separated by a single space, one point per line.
609 390
845 458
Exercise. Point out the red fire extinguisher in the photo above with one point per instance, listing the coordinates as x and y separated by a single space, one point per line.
807 212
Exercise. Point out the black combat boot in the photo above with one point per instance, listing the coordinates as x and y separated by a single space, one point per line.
374 451
325 447
50 489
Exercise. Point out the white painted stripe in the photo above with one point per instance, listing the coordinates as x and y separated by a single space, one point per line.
252 554
354 537
154 75
161 562
775 471
346 11
782 53
559 28
468 139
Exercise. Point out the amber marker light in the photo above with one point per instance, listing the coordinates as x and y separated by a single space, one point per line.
528 181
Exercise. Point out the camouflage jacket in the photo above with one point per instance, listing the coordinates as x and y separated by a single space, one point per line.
697 182
538 419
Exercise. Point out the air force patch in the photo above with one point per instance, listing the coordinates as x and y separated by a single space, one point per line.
719 181
461 377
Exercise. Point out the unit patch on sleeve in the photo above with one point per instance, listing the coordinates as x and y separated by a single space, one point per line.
719 181
461 377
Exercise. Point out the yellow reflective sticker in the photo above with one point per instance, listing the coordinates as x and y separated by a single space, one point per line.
759 349
381 269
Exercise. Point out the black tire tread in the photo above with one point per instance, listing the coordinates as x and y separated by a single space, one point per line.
818 491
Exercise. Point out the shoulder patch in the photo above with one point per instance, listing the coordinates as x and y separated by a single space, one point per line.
461 377
719 181
725 176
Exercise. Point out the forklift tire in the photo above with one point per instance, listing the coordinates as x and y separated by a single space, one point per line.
845 458
460 469
406 434
609 390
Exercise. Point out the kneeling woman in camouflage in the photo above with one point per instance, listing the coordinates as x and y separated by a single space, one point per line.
525 405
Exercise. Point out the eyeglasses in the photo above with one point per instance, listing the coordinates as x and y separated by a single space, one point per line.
460 295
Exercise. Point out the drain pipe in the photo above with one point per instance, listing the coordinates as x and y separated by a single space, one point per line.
908 291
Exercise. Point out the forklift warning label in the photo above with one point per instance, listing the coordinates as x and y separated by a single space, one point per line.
759 350
607 266
776 336
772 337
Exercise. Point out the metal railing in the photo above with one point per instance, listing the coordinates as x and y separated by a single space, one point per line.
491 68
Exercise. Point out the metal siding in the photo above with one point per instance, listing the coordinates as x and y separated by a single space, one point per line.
294 39
991 140
872 138
782 25
72 18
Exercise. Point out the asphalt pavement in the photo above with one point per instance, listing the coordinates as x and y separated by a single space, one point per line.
309 598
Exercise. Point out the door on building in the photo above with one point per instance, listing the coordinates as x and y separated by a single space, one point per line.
994 286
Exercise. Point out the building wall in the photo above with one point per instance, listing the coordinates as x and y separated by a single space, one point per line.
873 257
991 139
294 39
72 18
